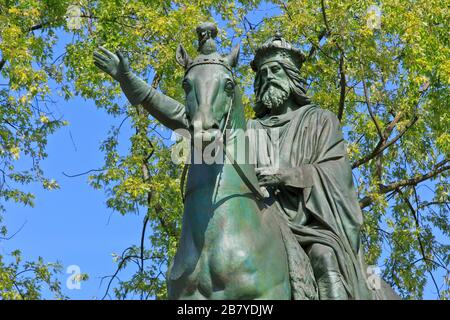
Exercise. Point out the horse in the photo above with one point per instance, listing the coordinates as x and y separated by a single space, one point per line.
231 244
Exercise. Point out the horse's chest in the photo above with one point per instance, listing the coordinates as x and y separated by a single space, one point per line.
233 255
229 256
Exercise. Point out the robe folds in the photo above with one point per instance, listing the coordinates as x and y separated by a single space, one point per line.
317 200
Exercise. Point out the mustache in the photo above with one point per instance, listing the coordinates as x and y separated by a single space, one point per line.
274 84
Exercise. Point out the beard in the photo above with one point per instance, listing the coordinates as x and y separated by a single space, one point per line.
274 95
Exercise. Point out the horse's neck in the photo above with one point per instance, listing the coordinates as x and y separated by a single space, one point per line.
221 177
238 121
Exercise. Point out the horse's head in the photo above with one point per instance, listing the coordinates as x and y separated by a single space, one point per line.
210 91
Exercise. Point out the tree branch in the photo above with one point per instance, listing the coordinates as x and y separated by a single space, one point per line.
324 15
439 168
343 85
119 267
82 173
142 248
391 126
144 227
327 26
383 145
314 48
342 80
369 107
434 203
15 233
415 180
419 239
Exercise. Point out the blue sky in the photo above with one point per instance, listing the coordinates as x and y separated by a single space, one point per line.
72 225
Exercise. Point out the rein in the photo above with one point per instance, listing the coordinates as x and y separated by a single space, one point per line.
254 189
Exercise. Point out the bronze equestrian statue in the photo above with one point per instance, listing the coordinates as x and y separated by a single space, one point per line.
300 240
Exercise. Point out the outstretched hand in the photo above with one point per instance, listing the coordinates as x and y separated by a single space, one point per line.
116 65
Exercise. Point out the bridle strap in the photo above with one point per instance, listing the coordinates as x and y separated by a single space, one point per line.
208 61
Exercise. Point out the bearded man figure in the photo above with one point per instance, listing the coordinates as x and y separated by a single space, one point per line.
301 159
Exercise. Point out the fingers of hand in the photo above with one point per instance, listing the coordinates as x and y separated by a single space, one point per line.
266 171
123 60
266 181
265 192
100 57
262 173
101 65
108 53
120 55
266 184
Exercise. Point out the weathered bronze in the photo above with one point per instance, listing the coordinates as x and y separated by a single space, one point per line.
303 240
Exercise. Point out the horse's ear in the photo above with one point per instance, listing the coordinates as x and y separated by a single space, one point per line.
182 56
233 57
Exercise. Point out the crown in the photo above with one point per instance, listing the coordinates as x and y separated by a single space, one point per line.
276 49
207 33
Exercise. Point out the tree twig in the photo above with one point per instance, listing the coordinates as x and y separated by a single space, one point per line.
15 233
439 168
369 107
343 85
382 145
81 174
2 64
419 239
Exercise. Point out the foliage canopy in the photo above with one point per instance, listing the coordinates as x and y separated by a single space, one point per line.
383 68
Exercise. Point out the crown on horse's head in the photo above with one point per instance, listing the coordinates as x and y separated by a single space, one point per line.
207 33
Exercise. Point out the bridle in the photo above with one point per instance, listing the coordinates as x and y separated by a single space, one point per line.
254 189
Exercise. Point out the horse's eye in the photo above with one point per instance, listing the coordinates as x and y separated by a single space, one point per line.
186 86
229 85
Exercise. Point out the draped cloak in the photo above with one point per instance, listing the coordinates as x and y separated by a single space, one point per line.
318 200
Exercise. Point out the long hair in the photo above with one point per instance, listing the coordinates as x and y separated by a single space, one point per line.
296 85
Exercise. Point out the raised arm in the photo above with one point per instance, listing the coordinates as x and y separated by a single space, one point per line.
166 110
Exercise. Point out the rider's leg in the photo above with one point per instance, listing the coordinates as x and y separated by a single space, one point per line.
326 272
